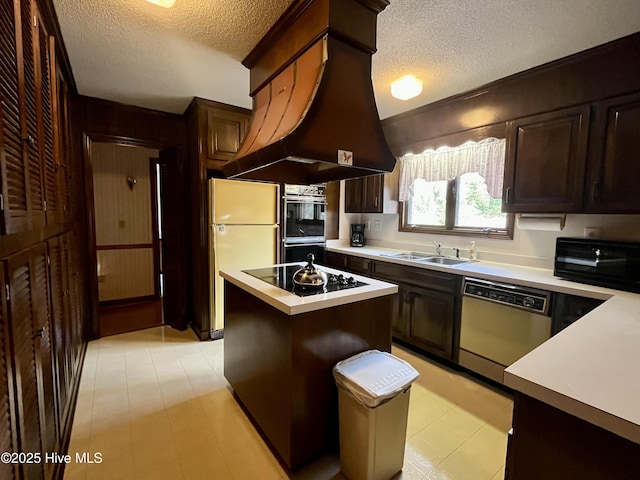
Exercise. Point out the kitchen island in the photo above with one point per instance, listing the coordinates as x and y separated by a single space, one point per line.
280 348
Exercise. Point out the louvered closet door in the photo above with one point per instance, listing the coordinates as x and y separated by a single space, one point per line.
30 129
13 172
29 312
60 322
22 324
67 330
45 101
8 441
75 293
63 146
44 355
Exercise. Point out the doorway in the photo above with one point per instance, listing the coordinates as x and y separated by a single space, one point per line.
126 206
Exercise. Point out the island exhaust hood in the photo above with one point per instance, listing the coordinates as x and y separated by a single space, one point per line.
314 113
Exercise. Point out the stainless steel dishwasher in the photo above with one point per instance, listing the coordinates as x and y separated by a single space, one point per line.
500 324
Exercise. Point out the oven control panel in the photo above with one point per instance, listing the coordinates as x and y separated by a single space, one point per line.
513 295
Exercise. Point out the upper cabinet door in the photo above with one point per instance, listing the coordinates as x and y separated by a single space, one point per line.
225 131
14 175
545 164
31 116
26 114
46 100
613 171
372 190
8 440
353 195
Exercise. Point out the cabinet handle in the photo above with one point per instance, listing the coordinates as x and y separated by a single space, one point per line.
508 195
39 333
594 190
30 140
375 202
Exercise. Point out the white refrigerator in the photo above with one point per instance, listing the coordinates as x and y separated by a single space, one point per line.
243 233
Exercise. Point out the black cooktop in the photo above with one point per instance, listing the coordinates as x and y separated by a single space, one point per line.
282 276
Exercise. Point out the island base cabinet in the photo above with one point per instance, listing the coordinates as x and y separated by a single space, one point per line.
548 443
280 366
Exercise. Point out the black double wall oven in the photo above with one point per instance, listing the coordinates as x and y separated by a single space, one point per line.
303 229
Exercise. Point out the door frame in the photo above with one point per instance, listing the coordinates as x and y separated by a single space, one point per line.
92 277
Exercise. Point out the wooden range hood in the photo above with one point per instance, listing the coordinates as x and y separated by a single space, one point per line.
314 112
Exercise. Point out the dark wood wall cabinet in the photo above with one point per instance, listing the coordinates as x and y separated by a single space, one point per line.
42 247
573 161
214 134
573 130
612 186
546 160
372 194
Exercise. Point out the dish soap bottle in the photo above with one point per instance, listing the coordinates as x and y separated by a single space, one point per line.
472 251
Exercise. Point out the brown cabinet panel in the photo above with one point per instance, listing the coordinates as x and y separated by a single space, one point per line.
420 277
551 444
27 142
359 264
23 327
424 310
45 97
364 194
400 316
545 164
372 191
431 320
28 308
64 172
61 330
31 115
225 132
336 260
613 174
8 440
372 194
14 175
353 195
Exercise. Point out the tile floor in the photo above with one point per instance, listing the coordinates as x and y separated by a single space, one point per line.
155 405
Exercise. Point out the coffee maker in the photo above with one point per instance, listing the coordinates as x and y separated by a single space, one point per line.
357 235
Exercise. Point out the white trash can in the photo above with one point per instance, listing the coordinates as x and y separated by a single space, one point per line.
373 405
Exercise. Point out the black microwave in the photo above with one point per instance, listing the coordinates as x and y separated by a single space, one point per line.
607 263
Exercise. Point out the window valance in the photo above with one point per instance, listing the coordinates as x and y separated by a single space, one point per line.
485 157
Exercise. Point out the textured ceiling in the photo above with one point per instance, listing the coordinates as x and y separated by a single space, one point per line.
133 52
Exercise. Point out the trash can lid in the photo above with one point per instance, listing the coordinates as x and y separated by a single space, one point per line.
372 377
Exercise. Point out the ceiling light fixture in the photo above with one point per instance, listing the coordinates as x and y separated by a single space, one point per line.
406 87
163 3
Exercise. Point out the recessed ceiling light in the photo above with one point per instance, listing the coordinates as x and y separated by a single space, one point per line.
406 87
163 3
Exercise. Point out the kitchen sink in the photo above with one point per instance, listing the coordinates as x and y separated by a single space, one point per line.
443 260
406 256
425 258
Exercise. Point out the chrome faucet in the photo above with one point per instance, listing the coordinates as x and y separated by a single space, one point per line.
438 248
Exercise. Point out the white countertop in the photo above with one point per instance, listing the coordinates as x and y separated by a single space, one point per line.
591 369
292 304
